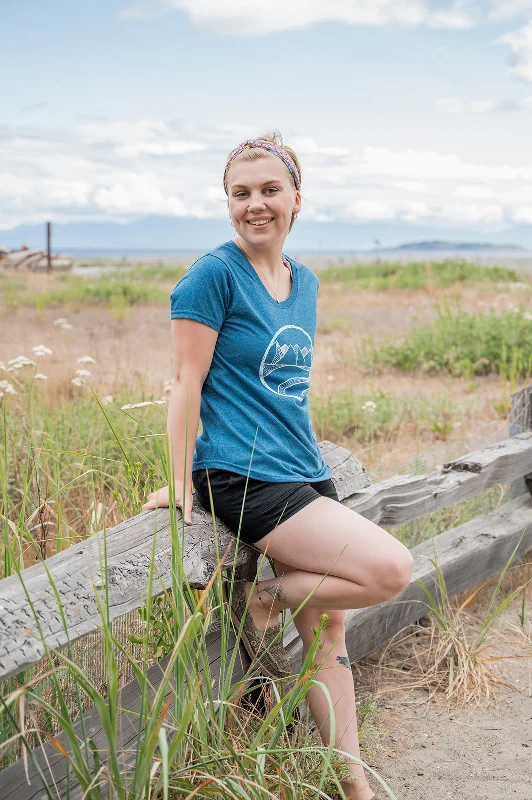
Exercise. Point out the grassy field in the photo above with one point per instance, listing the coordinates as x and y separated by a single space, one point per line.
413 364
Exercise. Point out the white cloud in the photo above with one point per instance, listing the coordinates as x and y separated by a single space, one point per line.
305 145
457 105
143 137
121 172
238 17
423 164
523 214
506 9
521 58
416 187
477 192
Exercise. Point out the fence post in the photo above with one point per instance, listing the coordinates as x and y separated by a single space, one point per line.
521 420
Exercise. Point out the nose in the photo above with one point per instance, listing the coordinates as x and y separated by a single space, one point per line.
256 202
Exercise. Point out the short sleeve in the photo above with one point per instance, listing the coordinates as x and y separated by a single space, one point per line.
203 293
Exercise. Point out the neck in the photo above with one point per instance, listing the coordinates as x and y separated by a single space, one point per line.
269 259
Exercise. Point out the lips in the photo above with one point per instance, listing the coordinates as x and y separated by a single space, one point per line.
260 223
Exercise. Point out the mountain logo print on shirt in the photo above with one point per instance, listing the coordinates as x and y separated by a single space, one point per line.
286 364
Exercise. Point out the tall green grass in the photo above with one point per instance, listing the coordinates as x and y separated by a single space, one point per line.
461 344
381 414
116 290
417 275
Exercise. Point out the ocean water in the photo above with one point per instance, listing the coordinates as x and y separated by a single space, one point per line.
101 261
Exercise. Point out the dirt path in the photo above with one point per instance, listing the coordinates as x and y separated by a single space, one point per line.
428 751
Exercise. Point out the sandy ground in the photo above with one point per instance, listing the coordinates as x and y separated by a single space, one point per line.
429 750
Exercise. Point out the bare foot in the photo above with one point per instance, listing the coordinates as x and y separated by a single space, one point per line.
263 618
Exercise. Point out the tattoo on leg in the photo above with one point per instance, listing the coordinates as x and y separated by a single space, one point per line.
275 591
344 660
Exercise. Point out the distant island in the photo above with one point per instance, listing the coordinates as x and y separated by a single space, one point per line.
454 246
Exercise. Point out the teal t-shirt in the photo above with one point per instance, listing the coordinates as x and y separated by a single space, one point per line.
254 405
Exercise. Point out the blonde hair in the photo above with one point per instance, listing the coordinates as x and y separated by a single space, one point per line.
251 153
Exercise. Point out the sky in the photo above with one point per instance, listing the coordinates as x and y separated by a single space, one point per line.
405 114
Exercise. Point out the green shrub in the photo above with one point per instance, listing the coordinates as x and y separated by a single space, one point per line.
462 344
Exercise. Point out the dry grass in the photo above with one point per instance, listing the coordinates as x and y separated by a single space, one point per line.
453 656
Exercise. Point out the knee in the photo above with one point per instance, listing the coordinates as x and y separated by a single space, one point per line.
396 573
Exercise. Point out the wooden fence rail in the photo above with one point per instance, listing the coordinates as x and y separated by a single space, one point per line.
78 571
466 554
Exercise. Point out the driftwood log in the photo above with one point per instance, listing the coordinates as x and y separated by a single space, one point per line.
35 260
20 258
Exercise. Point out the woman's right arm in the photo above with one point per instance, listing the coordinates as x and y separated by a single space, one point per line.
193 345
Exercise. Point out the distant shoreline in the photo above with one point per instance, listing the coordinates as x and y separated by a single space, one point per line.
514 251
315 259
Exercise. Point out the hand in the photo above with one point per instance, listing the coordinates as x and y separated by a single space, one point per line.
161 499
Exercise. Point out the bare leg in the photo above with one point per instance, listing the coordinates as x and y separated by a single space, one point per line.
337 676
366 565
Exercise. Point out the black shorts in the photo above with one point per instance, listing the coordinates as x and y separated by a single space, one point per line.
266 505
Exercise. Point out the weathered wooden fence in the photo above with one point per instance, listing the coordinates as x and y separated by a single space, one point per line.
466 554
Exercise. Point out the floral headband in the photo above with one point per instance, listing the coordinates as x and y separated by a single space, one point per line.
272 148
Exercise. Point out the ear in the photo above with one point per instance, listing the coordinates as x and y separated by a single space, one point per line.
297 202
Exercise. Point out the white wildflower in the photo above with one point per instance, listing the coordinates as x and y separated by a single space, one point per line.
40 377
41 350
141 405
369 405
7 387
527 315
108 398
86 360
330 377
167 386
161 402
77 381
83 373
21 361
60 321
127 405
66 326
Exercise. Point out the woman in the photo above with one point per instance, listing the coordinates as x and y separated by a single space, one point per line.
243 325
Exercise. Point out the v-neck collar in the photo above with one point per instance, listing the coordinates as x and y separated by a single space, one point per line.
250 269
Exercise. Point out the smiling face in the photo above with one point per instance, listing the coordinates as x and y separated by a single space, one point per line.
261 199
